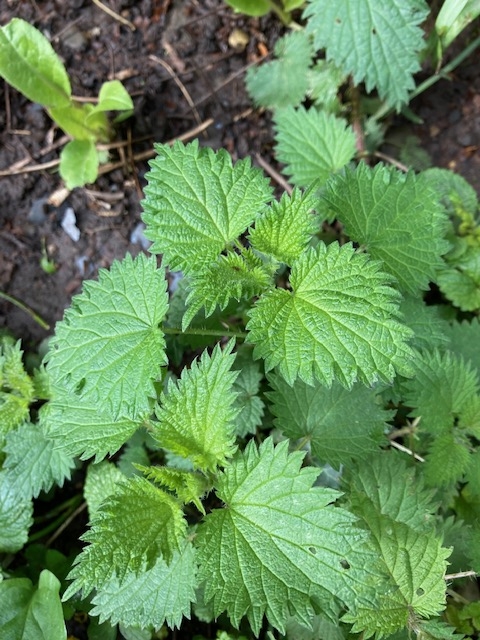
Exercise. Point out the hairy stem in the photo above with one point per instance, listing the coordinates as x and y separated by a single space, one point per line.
205 332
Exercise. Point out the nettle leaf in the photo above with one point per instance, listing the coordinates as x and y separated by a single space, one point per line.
287 226
401 522
442 391
283 81
16 388
302 553
324 80
454 191
28 612
465 341
15 515
339 424
196 415
448 458
188 485
138 524
232 276
312 144
32 463
430 329
161 594
101 482
197 203
247 386
108 350
378 43
339 322
398 218
459 281
86 429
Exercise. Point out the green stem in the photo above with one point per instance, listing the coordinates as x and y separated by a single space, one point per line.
426 84
205 332
57 522
284 17
38 319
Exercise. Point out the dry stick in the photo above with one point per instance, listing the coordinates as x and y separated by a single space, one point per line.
400 447
179 84
114 15
65 524
461 574
273 174
390 160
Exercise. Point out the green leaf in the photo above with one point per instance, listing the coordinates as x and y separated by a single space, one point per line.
378 43
197 203
189 486
287 226
196 414
312 144
397 217
136 525
114 97
108 350
339 424
399 517
283 81
86 429
322 629
28 612
161 594
339 322
460 280
251 7
249 405
448 459
79 163
101 482
465 341
232 276
430 329
73 120
33 464
29 63
16 389
453 190
15 516
442 391
324 80
302 553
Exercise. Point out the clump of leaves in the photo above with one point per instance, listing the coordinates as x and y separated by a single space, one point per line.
319 349
29 63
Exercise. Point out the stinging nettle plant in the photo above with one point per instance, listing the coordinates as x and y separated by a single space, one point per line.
317 525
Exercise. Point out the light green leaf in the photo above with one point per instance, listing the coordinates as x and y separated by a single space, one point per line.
251 7
465 341
312 144
401 523
29 63
322 629
442 391
138 524
287 226
283 81
28 612
397 217
453 17
32 463
108 350
339 424
454 191
101 482
301 552
232 275
460 280
378 43
189 486
16 389
338 322
197 203
79 163
324 80
114 97
86 429
161 594
15 516
73 120
196 415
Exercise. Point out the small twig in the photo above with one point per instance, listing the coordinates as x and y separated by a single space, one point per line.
390 160
179 84
30 169
65 524
461 574
405 431
400 447
273 173
115 16
38 319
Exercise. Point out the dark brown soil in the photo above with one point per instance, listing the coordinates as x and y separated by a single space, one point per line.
194 38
